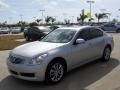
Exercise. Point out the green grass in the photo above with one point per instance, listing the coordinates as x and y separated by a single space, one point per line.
9 42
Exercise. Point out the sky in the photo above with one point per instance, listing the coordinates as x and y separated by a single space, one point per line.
13 11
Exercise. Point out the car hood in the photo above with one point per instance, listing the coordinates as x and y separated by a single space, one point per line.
35 48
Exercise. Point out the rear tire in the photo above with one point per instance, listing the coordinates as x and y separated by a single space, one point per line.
106 54
55 72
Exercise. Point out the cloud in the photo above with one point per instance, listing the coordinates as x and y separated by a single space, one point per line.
54 3
3 5
13 11
46 4
6 7
51 3
97 0
60 4
70 0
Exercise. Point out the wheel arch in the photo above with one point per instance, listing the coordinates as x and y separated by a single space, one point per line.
108 45
55 59
61 59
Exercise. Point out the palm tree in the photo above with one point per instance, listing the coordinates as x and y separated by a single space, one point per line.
91 19
4 23
53 20
38 21
47 19
33 24
82 17
114 20
100 16
67 21
22 23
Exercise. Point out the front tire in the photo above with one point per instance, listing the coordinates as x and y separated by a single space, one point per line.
106 54
55 72
118 31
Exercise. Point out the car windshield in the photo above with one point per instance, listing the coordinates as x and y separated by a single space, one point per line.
59 36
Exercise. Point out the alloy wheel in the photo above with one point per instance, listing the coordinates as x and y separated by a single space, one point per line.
56 72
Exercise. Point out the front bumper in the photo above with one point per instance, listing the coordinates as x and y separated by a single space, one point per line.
30 73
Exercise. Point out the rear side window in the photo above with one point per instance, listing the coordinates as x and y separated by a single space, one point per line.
107 25
95 33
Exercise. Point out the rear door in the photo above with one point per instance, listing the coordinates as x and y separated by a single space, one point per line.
96 41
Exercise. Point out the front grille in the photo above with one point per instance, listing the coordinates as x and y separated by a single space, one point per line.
32 75
27 74
15 60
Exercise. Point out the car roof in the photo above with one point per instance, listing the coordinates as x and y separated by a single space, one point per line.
41 27
77 28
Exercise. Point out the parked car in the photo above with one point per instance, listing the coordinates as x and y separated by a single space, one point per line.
22 29
15 30
36 32
118 25
59 52
110 27
54 27
4 31
96 24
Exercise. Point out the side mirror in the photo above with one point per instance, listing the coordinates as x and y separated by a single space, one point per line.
80 41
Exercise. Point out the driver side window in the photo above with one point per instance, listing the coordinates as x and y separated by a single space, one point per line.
84 34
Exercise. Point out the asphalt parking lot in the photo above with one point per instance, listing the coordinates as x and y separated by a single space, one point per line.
93 76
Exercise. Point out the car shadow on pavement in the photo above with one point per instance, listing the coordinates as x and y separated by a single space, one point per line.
77 79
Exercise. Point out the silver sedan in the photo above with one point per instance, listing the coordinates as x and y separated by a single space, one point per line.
59 52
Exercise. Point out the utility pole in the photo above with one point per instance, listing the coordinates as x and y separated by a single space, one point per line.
118 15
42 12
21 17
10 20
103 10
55 18
72 19
109 17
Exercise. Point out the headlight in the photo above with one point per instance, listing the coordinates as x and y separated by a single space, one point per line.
38 60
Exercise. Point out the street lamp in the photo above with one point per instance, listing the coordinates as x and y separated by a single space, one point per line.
118 17
42 11
65 15
103 10
90 2
109 16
